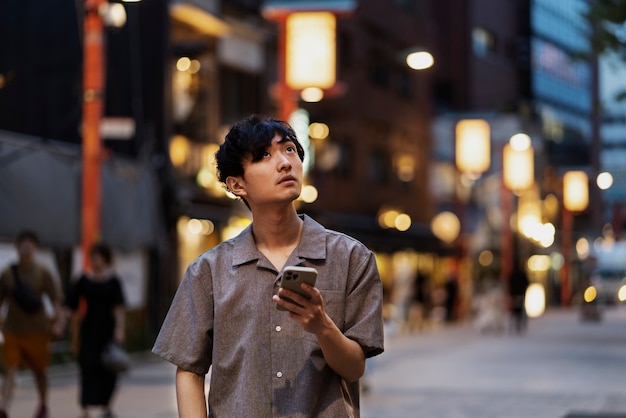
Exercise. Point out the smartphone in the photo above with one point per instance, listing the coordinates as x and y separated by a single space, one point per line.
293 276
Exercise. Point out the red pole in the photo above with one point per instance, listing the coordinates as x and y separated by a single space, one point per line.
287 102
93 91
566 244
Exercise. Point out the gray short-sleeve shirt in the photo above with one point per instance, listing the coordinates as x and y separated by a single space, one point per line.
263 363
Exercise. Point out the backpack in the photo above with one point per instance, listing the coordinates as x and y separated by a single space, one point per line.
24 295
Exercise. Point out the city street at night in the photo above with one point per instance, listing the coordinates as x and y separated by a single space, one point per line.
435 165
561 368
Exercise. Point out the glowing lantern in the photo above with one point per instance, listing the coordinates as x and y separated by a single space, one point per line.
310 50
575 191
473 146
518 164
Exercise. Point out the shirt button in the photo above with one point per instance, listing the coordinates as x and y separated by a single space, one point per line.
279 374
278 328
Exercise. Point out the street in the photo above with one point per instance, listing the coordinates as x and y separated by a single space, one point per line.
561 368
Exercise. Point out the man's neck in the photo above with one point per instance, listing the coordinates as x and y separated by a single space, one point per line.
276 229
277 234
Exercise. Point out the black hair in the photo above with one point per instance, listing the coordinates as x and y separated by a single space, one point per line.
26 235
250 138
103 251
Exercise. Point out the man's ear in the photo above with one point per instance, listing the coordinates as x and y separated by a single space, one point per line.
235 186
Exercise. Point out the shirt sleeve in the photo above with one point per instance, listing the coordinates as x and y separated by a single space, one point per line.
186 336
364 318
118 293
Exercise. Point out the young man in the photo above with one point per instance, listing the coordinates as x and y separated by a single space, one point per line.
266 362
27 334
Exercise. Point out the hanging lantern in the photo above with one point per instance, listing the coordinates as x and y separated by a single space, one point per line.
473 146
575 191
310 50
518 165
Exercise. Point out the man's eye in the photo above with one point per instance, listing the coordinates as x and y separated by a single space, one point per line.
266 154
291 148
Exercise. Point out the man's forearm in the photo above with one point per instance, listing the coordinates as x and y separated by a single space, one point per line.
343 355
190 394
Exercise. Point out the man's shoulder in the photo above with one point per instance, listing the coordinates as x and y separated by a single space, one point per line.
338 242
217 253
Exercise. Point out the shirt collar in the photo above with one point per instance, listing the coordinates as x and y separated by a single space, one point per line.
312 244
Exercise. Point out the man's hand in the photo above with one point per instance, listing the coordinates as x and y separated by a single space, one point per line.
309 313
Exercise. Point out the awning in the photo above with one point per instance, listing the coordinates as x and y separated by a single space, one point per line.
40 183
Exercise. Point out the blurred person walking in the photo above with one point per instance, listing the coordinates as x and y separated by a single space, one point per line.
517 290
28 328
98 311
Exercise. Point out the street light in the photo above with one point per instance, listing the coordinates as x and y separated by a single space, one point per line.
517 176
473 146
306 49
575 191
575 199
518 167
97 14
420 60
472 157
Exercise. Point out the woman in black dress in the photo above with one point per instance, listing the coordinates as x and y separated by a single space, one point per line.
97 301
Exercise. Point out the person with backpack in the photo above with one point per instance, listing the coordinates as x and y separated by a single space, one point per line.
27 327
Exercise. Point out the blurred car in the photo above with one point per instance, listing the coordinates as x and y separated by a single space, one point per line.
607 286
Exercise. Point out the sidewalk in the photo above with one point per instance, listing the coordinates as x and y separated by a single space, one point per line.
146 391
561 368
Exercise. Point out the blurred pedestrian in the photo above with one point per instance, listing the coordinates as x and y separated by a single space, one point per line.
303 362
518 284
452 290
28 329
97 304
420 303
491 307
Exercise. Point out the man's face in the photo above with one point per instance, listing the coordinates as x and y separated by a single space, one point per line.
26 249
276 178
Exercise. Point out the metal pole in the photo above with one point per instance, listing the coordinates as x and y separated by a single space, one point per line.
93 91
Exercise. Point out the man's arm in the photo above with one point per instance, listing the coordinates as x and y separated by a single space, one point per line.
190 394
343 355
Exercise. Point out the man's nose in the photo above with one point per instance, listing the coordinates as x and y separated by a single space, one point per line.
284 162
